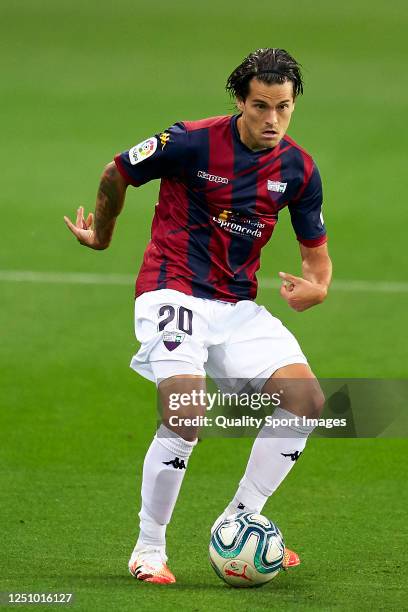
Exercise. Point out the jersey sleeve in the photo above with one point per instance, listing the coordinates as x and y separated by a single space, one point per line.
306 213
164 154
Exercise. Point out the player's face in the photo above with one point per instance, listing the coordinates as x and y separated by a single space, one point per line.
266 114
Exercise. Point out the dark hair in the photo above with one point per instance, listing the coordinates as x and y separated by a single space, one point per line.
269 66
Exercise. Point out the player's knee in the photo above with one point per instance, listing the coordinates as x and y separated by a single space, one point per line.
314 403
184 426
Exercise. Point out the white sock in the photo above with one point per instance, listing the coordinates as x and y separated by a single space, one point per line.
163 472
274 453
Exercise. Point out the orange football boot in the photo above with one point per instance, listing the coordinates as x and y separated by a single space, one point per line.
149 565
290 559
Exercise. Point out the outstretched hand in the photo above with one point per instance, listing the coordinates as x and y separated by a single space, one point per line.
299 293
83 229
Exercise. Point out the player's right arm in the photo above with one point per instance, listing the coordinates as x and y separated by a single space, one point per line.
96 230
164 154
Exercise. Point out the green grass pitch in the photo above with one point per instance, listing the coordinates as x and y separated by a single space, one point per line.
82 81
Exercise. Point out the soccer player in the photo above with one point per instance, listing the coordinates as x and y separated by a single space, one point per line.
224 181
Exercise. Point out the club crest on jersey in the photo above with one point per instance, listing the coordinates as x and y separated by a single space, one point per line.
142 151
173 339
164 139
277 186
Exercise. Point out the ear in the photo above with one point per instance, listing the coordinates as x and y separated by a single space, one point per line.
240 104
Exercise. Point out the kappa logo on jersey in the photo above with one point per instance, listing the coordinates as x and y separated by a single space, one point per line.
212 177
173 339
164 139
142 151
277 186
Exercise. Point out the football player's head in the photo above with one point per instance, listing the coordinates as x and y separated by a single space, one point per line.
265 86
270 66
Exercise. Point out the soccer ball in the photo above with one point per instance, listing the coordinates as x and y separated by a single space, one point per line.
246 550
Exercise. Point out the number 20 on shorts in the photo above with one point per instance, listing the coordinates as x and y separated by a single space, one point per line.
167 314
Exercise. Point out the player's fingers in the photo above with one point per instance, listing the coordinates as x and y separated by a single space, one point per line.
71 226
287 284
285 292
89 220
289 277
80 217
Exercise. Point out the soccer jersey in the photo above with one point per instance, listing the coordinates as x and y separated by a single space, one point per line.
218 205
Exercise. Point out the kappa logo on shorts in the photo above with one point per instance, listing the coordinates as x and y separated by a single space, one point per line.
172 340
142 151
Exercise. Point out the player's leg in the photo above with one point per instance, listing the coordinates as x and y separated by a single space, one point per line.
276 449
164 469
263 350
167 457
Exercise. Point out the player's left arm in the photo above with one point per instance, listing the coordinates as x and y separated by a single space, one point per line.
311 288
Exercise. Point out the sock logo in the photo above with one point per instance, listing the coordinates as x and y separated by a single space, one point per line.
177 463
137 571
240 506
294 456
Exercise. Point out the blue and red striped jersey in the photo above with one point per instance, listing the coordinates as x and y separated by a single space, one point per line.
218 205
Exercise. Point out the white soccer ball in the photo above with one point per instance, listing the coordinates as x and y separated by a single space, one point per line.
246 550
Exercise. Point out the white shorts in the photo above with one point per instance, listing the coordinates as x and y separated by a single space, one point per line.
181 334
